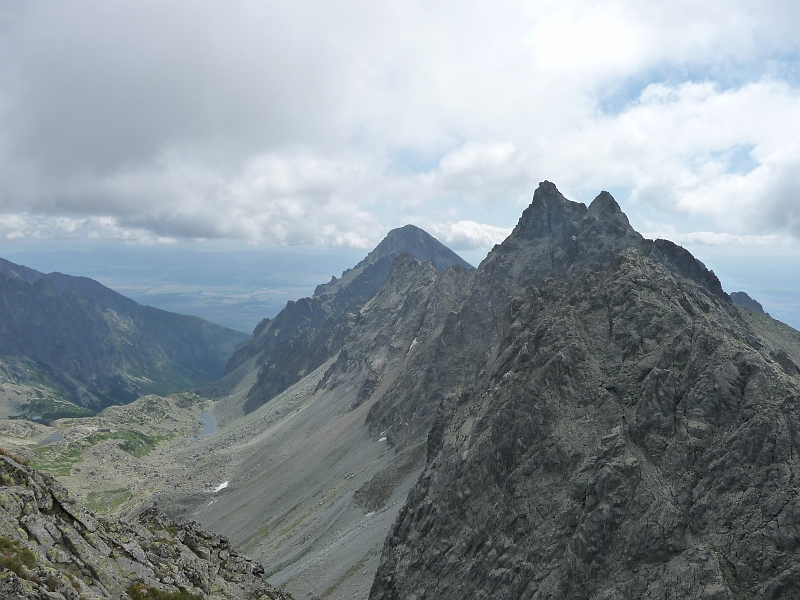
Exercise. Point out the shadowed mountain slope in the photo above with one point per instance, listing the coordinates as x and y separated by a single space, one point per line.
97 347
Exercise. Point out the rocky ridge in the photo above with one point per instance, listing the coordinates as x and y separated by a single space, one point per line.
555 238
419 345
625 430
309 331
52 548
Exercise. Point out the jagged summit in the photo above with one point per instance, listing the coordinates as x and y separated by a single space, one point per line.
419 244
556 237
605 203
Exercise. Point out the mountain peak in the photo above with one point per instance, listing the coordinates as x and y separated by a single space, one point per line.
419 244
604 203
410 239
547 213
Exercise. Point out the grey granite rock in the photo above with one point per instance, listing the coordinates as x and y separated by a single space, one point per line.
602 422
53 549
630 436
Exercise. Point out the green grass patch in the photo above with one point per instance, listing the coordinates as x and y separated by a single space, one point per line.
135 443
108 500
56 460
188 399
138 591
14 556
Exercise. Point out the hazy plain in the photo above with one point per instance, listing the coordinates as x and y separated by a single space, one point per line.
234 288
239 287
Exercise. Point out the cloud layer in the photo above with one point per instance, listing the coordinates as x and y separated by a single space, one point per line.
321 123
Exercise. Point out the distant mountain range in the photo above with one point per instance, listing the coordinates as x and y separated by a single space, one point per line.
95 347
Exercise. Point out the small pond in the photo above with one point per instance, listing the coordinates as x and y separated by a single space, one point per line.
56 436
209 425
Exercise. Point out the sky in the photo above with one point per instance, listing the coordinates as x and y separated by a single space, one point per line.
185 124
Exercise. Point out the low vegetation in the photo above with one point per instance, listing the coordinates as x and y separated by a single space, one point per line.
135 443
46 409
14 556
138 591
108 500
56 460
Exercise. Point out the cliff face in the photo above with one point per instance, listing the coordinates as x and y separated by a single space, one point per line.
51 548
621 429
555 238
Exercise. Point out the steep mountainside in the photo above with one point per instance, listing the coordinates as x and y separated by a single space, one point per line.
317 471
622 431
51 548
555 237
95 347
311 491
308 332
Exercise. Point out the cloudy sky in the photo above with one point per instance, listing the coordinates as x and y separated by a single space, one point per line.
327 123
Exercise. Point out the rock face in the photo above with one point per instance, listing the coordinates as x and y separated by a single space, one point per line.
743 299
53 549
310 331
608 425
555 238
99 348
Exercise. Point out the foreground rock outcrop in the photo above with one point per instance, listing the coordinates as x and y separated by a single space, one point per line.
52 548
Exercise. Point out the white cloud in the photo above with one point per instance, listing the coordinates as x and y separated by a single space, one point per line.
20 226
279 122
710 238
469 235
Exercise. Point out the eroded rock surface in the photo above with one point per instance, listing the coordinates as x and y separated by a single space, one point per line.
631 435
310 331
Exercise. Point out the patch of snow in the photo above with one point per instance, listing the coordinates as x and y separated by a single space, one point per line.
413 343
220 487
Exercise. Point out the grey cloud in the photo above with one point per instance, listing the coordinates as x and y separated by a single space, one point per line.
276 120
